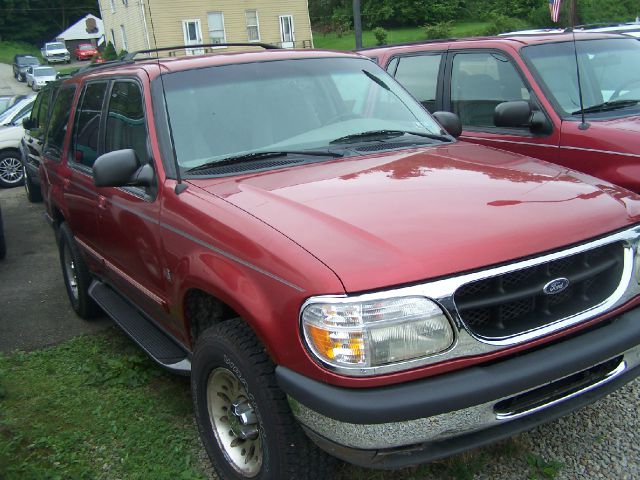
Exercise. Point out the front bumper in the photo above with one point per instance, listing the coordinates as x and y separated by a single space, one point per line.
55 59
406 424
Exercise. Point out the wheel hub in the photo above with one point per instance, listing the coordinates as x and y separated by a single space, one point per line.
11 170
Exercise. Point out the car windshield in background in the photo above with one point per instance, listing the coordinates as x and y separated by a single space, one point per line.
86 47
609 74
55 46
44 72
14 108
221 112
28 61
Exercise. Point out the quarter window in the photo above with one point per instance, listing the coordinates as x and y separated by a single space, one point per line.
58 122
419 75
479 82
253 29
125 120
87 126
216 27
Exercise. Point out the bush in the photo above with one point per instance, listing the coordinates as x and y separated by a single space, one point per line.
109 52
438 31
502 24
122 53
381 35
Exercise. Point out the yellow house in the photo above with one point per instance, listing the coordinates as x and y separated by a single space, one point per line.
141 24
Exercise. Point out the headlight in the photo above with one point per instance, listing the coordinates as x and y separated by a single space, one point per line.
366 334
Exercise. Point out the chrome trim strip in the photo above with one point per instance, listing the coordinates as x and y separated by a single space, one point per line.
595 150
616 372
469 344
488 139
438 427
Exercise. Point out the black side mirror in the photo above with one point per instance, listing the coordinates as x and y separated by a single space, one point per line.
121 168
27 124
450 122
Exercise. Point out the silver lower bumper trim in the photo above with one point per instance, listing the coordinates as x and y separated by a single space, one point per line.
437 427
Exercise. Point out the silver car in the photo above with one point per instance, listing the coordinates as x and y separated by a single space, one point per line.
38 77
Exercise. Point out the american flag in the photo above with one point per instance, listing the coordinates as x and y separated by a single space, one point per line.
554 8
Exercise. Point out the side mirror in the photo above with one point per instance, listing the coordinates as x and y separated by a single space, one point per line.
121 168
512 114
27 124
450 122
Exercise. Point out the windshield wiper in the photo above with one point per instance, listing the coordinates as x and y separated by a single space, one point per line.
373 135
605 106
260 155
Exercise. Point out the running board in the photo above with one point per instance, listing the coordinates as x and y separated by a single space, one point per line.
158 345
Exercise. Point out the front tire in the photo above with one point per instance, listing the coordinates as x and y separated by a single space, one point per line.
75 274
34 194
244 418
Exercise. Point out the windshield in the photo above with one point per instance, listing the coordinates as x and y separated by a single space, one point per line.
44 72
18 107
28 61
609 72
229 110
55 46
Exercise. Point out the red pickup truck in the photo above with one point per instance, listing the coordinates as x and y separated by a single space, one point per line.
520 93
294 230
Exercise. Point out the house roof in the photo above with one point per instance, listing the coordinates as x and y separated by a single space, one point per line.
78 31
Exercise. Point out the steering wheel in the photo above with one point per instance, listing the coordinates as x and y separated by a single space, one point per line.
616 94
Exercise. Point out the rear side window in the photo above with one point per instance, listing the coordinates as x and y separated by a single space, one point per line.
87 124
58 122
419 75
125 120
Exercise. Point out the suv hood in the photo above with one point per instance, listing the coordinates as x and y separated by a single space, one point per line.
402 217
617 135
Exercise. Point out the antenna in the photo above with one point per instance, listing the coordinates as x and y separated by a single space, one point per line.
180 187
583 125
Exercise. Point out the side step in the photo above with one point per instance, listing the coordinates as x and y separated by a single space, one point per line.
154 341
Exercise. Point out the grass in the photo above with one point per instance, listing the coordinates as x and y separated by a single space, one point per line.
96 407
331 41
9 49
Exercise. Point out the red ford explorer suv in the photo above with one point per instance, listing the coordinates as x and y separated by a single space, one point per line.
520 93
335 273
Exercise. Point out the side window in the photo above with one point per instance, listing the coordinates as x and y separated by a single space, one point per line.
35 113
43 114
125 120
419 75
87 124
479 82
58 122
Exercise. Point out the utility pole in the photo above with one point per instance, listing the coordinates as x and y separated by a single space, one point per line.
573 12
357 23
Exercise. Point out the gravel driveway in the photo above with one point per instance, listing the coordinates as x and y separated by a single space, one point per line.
601 441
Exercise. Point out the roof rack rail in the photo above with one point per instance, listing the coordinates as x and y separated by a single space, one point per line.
130 56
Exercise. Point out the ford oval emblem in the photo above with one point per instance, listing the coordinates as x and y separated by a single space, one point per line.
556 286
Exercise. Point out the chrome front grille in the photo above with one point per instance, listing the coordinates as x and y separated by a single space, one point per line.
515 302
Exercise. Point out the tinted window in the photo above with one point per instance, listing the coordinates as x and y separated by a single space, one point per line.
419 75
479 82
58 122
87 124
125 120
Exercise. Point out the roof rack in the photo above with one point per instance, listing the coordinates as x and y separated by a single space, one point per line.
131 56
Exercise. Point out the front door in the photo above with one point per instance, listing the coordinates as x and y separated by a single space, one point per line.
192 36
287 36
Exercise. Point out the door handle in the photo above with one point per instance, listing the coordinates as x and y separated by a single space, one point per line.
66 183
102 202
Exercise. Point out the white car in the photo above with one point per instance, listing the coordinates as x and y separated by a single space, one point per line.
38 77
14 114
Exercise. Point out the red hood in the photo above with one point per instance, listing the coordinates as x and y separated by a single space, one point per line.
401 217
616 135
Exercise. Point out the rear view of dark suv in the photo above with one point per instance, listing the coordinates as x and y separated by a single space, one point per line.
20 64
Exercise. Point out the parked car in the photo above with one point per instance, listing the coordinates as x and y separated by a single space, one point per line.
55 52
38 77
20 64
8 101
631 29
520 94
33 140
85 51
330 267
19 110
3 244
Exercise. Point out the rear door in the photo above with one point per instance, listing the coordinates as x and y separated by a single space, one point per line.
476 81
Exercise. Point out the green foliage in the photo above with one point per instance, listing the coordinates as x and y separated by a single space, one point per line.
381 35
539 468
9 49
122 53
502 24
109 52
439 30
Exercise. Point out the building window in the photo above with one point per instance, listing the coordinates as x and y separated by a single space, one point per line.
124 37
113 5
216 27
253 28
113 38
